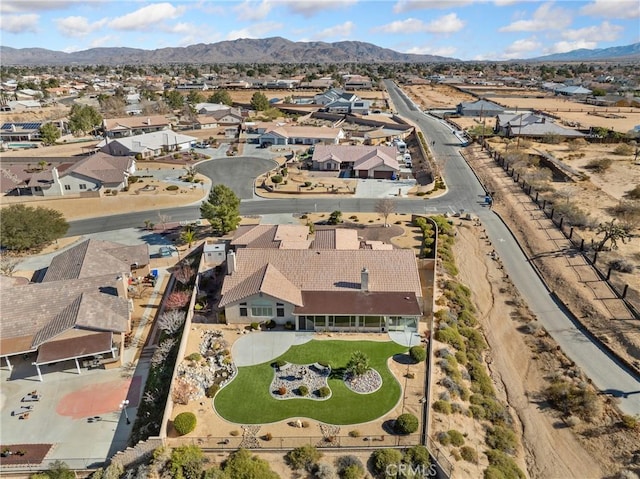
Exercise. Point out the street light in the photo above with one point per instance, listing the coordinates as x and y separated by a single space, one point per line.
123 406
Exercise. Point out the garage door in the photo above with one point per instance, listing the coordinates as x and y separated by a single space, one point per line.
382 175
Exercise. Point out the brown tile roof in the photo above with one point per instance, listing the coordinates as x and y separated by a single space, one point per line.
323 270
88 343
132 122
41 311
358 302
94 258
102 167
272 236
353 154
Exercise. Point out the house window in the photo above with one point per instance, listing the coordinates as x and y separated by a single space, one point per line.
280 310
261 310
243 310
67 187
82 186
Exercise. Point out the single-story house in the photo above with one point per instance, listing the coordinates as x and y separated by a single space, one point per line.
20 131
21 105
228 116
365 161
482 108
575 90
357 82
324 289
79 310
147 145
300 135
131 126
532 126
205 122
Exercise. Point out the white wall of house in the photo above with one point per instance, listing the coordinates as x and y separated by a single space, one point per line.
73 184
262 305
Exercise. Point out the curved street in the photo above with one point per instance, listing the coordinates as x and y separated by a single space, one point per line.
465 192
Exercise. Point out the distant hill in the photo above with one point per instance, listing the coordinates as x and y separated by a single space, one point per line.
267 50
628 52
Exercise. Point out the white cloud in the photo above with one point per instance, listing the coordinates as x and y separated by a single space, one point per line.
309 8
521 48
410 25
449 23
428 50
253 11
78 26
605 32
146 17
403 6
341 31
561 47
257 30
544 18
104 41
18 6
623 9
19 23
181 27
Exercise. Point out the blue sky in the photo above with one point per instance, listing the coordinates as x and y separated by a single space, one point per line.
463 29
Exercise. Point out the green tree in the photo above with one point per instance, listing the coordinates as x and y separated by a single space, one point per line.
222 97
49 133
243 465
612 232
174 99
57 470
221 209
335 218
26 227
259 101
303 457
358 363
188 235
194 97
83 119
186 462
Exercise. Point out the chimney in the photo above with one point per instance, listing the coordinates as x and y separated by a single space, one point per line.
364 280
231 262
148 121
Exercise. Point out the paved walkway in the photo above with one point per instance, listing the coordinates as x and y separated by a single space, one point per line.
259 347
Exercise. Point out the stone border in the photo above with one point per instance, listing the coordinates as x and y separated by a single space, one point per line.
293 375
368 383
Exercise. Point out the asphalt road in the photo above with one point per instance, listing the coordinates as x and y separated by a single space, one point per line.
465 192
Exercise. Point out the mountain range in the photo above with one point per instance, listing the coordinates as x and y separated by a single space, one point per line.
269 50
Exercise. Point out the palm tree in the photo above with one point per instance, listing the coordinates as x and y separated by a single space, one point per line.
188 235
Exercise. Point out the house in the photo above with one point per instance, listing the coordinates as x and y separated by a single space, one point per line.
98 172
574 90
481 108
324 288
226 116
282 134
357 82
147 145
205 122
21 105
131 126
79 310
214 253
20 131
206 108
336 100
532 126
364 161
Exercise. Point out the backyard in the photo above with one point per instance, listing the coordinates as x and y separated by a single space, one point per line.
342 407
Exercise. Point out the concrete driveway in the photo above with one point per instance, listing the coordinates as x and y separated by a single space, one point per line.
259 347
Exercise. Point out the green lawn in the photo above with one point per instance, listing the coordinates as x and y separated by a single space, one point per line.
247 399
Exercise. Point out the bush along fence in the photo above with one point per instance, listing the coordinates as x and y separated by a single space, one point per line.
629 296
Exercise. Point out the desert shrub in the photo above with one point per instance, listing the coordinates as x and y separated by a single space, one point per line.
475 341
461 357
406 424
574 215
324 392
358 363
457 439
443 438
501 466
443 407
623 149
234 433
194 357
133 179
212 390
381 459
502 438
629 422
255 326
450 336
571 399
466 318
418 354
457 408
480 380
177 300
459 295
634 193
182 391
268 436
469 454
303 390
282 390
324 471
476 411
186 462
417 455
354 433
276 179
307 183
184 423
304 457
622 265
172 187
349 467
599 165
279 363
